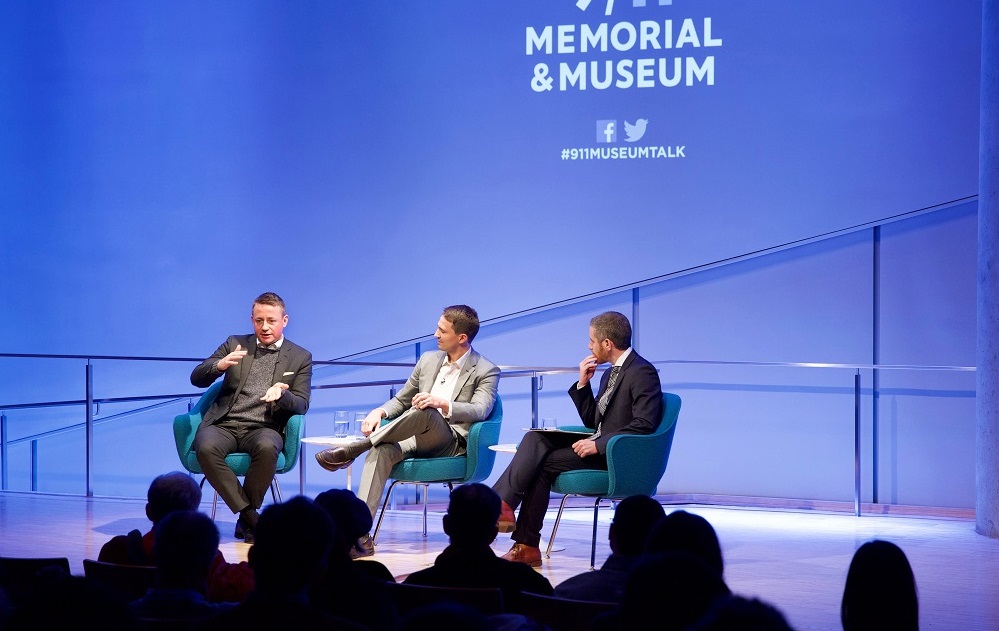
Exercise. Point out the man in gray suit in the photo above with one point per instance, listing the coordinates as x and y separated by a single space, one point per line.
449 389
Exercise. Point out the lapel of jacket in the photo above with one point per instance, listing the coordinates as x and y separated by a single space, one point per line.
620 379
428 376
282 361
466 373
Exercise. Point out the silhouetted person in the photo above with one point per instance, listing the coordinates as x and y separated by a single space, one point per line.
468 560
687 532
185 549
290 553
169 492
880 591
348 582
675 589
634 519
737 613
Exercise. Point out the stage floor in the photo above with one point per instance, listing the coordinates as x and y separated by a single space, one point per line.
795 560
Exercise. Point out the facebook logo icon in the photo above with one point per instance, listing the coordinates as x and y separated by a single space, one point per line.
607 131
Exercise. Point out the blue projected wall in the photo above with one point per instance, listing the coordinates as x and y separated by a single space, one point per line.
374 161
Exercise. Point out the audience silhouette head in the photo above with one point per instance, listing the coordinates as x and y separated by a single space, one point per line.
634 518
293 541
350 515
738 613
186 543
687 532
174 491
472 514
880 591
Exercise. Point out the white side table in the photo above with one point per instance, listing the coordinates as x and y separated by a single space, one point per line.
334 441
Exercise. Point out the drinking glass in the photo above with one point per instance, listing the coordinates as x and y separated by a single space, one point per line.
358 420
549 422
341 423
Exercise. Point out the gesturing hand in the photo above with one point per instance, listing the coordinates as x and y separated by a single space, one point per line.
231 359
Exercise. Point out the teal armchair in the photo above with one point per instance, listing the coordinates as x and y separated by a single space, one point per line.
474 466
635 464
185 426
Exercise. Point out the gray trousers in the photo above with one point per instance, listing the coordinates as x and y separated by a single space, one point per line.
414 434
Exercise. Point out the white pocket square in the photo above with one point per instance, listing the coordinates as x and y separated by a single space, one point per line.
287 373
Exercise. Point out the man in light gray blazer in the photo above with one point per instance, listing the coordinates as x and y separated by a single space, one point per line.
449 389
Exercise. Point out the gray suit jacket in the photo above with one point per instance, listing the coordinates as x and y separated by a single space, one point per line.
475 392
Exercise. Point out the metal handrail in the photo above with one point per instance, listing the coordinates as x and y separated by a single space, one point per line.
536 374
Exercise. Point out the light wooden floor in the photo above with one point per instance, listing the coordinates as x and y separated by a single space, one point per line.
795 560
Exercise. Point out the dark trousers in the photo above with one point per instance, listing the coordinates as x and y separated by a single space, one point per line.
213 443
527 481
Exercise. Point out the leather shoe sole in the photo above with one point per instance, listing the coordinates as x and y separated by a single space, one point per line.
507 520
333 459
528 555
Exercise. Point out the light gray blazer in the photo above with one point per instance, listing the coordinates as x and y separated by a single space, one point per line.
475 392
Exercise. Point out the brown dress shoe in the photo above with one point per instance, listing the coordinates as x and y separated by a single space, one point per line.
528 555
333 459
507 520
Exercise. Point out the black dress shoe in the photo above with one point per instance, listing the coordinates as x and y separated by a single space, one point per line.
239 534
333 459
363 548
248 535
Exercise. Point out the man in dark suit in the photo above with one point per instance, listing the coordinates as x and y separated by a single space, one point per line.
449 389
629 401
266 380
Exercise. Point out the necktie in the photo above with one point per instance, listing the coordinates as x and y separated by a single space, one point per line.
611 382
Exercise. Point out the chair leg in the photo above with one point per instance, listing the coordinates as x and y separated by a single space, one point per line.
558 518
593 543
215 502
276 491
426 500
381 515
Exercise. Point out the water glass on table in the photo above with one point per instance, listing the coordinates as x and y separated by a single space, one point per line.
358 421
341 423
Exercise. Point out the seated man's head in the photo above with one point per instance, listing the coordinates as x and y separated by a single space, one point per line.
186 544
292 542
171 492
634 518
350 515
472 514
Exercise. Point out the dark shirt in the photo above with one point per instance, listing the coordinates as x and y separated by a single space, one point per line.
478 566
603 585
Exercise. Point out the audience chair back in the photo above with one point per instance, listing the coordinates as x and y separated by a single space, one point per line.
635 465
185 426
128 581
20 576
474 466
562 614
407 596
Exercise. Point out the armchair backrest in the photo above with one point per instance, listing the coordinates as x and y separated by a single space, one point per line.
481 436
636 462
185 426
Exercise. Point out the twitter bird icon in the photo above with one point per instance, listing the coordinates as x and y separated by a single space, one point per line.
635 131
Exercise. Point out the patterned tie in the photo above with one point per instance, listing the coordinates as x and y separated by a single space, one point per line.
611 382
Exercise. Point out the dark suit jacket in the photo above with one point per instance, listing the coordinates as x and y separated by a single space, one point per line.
294 367
635 406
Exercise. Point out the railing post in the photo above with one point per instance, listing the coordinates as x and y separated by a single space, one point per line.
536 385
3 451
34 466
90 430
856 444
